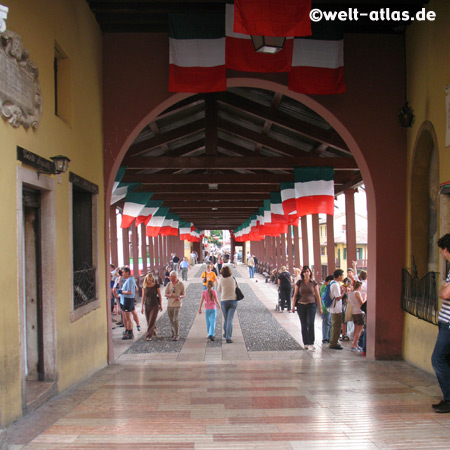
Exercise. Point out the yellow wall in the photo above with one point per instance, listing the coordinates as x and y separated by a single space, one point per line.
428 72
81 345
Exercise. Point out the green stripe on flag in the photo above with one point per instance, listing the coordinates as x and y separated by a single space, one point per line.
199 25
305 174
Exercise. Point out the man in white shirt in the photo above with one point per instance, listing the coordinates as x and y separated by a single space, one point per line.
336 309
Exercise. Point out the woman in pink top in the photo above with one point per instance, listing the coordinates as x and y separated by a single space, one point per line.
211 302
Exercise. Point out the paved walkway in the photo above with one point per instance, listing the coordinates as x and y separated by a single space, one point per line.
228 396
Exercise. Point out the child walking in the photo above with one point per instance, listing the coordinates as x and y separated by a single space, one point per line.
209 296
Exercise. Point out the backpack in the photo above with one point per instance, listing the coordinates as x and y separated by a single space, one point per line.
326 297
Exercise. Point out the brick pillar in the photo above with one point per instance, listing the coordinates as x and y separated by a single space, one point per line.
350 226
316 248
331 256
114 258
143 248
305 240
297 259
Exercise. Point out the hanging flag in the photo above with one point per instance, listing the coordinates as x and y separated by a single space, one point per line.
287 191
279 222
318 61
314 190
134 204
185 231
155 223
240 53
120 189
197 52
170 225
147 212
272 17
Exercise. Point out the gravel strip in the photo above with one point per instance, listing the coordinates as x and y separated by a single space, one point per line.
261 331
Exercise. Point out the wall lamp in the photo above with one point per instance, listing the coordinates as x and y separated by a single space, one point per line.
268 44
406 116
60 165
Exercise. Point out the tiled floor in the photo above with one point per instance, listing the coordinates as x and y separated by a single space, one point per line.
228 398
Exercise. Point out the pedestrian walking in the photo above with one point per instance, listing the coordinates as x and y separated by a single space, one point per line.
209 297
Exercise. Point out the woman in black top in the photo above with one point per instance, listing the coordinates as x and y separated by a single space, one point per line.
285 286
151 298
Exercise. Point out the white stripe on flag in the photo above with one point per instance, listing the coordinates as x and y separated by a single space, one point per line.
316 187
132 209
318 53
197 52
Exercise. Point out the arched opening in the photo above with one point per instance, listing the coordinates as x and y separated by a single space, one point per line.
424 203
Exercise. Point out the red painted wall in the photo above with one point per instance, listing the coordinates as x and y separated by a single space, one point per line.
135 70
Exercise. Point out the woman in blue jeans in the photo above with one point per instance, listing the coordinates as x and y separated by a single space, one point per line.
227 291
307 299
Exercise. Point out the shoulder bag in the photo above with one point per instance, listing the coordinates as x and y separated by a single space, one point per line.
239 294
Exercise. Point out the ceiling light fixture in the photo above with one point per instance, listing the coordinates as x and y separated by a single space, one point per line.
268 44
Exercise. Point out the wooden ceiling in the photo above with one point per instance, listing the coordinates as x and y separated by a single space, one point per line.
214 158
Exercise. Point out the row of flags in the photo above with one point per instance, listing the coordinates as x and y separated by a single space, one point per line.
202 45
140 209
312 192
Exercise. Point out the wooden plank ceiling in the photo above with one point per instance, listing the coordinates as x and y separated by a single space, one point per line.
214 158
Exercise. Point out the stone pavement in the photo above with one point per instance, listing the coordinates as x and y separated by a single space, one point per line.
231 396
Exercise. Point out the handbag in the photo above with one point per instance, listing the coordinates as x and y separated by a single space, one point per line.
239 294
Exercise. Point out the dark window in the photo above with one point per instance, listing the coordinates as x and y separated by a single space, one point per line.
84 271
345 253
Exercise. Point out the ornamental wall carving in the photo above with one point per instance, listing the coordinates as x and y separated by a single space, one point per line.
20 92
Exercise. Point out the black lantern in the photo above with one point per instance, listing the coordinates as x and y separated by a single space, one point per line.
268 44
406 116
60 165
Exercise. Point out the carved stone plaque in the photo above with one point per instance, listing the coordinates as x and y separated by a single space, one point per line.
20 93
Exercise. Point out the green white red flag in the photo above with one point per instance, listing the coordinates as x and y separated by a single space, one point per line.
134 204
197 52
155 223
318 61
147 212
314 190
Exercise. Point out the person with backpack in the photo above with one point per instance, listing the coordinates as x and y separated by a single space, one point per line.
332 297
326 316
307 300
285 287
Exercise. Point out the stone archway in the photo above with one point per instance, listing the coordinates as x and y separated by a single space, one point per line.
424 205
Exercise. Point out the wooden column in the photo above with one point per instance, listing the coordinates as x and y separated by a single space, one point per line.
157 245
143 248
283 249
289 249
135 249
350 226
331 256
278 252
151 253
297 258
305 240
316 248
114 257
126 247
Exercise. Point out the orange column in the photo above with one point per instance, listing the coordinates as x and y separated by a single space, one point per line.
305 241
330 245
316 247
350 226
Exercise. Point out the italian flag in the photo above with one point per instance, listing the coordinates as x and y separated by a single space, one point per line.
314 190
272 17
197 52
278 219
147 212
120 189
134 204
318 61
170 225
240 53
287 191
155 223
185 231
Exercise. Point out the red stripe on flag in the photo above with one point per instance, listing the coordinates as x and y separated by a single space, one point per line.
289 206
272 17
316 80
197 79
240 55
127 221
315 204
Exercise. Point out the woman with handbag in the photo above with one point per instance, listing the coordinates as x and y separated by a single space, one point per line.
151 298
227 291
307 296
